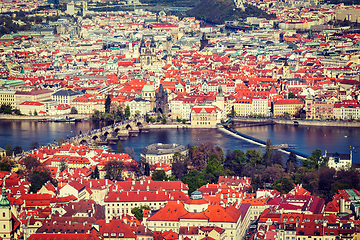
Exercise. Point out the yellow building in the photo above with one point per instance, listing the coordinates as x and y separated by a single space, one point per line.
243 107
290 106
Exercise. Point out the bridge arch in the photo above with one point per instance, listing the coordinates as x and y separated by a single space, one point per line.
139 124
128 126
95 137
83 142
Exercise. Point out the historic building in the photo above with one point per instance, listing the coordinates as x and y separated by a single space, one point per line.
162 153
162 105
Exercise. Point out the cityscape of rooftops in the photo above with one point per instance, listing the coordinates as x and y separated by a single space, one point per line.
251 112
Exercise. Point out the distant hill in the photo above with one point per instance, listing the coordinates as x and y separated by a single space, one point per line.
219 11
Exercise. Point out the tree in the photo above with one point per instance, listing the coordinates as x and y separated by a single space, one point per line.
95 173
63 165
31 163
35 113
178 119
159 175
313 160
183 121
139 211
73 110
6 164
200 154
179 169
60 141
291 95
34 145
119 147
17 111
268 153
232 113
114 170
38 178
194 179
277 158
235 161
253 157
18 149
127 112
292 163
107 104
96 116
163 120
130 152
9 150
284 185
213 169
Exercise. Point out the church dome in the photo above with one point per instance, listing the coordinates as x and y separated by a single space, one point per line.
148 88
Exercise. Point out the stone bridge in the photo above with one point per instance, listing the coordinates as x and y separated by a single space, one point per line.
113 133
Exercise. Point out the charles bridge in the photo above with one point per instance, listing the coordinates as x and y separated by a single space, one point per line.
113 133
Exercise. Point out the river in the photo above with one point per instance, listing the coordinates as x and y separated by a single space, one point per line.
24 133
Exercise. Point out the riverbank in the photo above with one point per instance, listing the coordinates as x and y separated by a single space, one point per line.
317 123
36 118
299 122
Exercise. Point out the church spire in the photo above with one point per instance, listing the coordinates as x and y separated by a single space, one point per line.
4 202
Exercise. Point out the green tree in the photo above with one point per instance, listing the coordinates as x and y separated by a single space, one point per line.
158 118
17 111
163 120
114 170
119 147
291 95
292 163
235 161
96 116
178 119
267 157
313 160
6 164
253 157
139 211
35 113
213 169
107 104
194 179
127 112
232 113
183 121
95 173
18 149
284 185
159 175
73 110
9 150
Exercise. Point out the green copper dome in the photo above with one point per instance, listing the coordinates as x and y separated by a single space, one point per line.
148 88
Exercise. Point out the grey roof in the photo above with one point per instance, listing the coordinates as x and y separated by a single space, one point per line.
160 149
341 155
68 92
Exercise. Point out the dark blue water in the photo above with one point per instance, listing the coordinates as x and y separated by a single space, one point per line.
23 133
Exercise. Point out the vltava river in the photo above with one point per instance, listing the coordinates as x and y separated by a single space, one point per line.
23 133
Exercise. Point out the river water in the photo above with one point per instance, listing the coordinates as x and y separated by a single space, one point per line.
307 139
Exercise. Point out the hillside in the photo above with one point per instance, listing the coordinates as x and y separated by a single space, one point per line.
219 11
